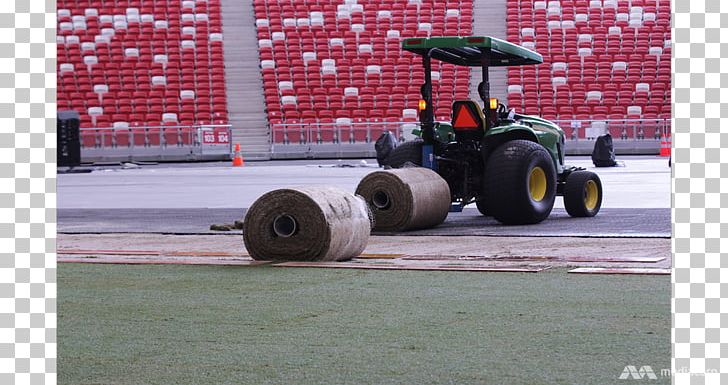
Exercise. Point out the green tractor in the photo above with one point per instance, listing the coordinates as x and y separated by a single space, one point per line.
511 165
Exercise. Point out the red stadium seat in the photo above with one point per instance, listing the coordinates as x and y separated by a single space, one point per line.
382 77
592 72
121 72
386 83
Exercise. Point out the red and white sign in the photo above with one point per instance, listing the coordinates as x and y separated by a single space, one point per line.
222 137
212 137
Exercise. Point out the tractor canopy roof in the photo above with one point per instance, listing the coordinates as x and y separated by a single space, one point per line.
467 50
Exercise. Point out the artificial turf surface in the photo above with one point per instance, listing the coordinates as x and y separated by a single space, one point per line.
121 324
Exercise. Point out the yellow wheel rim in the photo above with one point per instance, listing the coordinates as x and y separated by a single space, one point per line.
591 195
537 184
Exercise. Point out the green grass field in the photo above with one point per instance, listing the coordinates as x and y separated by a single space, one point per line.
122 324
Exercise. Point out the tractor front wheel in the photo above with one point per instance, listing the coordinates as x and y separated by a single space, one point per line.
520 183
583 194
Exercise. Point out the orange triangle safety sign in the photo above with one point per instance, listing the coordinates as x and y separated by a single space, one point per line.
464 118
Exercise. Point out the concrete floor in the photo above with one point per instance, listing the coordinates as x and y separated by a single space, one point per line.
643 182
610 223
133 209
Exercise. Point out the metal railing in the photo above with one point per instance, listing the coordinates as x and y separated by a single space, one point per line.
325 140
619 129
637 136
368 132
202 142
333 133
182 142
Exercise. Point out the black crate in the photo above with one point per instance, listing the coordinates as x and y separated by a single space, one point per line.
69 143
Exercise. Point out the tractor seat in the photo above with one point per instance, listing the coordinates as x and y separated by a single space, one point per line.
468 120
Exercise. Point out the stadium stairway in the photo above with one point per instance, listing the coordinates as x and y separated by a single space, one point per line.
485 12
246 105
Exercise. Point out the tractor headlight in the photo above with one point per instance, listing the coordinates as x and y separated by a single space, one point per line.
493 103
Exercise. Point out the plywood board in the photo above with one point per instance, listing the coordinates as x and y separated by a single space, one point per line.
174 253
529 258
165 261
370 266
106 252
617 270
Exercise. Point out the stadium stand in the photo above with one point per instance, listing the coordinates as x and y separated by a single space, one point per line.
141 63
602 59
144 73
331 64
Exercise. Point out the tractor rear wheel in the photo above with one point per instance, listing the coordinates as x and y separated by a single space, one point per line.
407 152
520 183
583 194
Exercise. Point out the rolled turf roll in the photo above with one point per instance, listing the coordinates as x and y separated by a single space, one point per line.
307 224
406 198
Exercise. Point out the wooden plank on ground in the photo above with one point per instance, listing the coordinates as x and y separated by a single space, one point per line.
622 270
106 252
532 258
370 266
172 253
379 256
192 253
165 261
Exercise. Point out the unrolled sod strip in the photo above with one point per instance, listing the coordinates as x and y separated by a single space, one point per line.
307 224
406 199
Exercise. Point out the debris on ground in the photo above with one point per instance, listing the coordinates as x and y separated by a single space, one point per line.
222 227
340 164
237 225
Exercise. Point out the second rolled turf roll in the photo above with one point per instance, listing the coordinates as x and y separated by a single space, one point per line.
406 198
307 224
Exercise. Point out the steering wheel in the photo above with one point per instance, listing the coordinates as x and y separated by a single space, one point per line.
502 111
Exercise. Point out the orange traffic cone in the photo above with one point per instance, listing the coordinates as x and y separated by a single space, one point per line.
666 146
237 158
